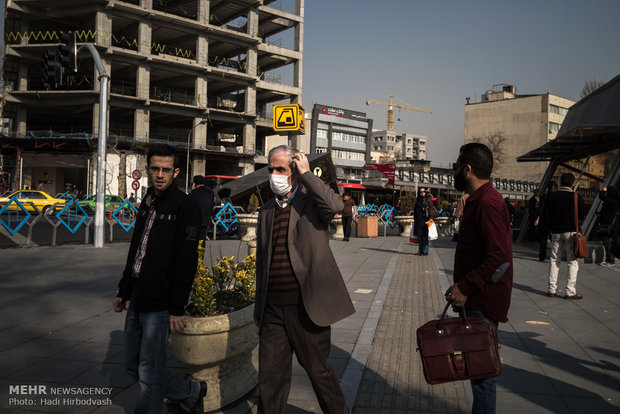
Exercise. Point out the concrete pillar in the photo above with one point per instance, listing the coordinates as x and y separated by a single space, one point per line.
251 59
141 124
249 138
24 27
22 84
200 134
200 91
202 50
22 125
299 47
143 79
145 31
247 166
203 11
103 26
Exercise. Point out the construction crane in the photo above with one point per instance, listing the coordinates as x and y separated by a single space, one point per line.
390 111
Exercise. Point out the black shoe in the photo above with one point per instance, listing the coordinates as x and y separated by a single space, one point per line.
576 296
551 295
198 407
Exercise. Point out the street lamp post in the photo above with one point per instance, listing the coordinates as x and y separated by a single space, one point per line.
189 136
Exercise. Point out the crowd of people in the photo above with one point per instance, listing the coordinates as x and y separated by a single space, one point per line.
300 292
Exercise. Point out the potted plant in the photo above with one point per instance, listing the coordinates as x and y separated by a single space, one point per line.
220 341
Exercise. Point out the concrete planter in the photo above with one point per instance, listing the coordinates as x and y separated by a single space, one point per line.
405 222
337 221
444 227
248 224
223 351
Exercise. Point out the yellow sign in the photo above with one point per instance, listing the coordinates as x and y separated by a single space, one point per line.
289 118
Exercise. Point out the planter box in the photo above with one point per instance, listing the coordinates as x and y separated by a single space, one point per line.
221 350
367 226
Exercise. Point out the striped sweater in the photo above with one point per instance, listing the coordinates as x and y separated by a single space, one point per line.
282 286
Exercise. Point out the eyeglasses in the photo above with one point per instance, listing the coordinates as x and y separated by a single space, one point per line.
156 170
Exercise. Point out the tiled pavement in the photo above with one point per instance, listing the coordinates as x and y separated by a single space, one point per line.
559 356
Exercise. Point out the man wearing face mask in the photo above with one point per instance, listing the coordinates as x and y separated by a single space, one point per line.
299 289
483 258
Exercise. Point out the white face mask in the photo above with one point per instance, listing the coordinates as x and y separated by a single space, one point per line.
279 184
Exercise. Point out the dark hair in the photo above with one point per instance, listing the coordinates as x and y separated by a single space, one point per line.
552 187
199 180
162 150
567 180
479 157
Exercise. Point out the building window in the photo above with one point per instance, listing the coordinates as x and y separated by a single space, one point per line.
321 133
554 109
321 150
554 127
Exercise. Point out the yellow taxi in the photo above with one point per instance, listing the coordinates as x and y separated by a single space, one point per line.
40 199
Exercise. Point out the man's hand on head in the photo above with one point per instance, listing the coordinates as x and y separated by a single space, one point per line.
301 163
177 323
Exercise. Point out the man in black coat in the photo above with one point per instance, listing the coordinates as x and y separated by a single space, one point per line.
204 198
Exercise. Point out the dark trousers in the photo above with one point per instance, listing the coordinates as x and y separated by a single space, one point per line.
284 329
346 226
543 237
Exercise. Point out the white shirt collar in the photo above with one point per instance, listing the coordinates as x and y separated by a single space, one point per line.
284 203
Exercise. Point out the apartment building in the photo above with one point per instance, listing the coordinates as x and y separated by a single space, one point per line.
514 124
399 146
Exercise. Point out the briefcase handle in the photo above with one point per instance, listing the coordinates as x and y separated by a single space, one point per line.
439 330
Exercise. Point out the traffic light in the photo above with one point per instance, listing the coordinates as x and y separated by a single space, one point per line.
51 68
67 51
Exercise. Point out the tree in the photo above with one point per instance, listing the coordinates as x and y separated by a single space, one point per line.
495 140
590 86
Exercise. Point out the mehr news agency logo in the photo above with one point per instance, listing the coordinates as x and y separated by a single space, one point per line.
43 395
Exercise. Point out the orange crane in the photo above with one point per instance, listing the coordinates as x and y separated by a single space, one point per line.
390 111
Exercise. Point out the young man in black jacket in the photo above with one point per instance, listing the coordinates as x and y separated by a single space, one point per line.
158 276
560 214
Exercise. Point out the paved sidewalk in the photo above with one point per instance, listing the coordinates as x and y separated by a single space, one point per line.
559 356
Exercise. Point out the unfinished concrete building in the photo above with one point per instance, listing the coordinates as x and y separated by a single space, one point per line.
197 72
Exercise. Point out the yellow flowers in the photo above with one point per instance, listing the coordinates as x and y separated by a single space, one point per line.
223 287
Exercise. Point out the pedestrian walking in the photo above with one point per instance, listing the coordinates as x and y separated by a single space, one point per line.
483 258
420 217
348 212
541 224
158 276
204 198
606 220
533 207
560 214
299 289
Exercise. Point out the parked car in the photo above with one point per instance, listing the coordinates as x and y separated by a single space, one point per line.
112 202
40 199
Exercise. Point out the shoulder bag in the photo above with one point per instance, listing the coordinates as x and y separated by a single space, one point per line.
458 349
580 247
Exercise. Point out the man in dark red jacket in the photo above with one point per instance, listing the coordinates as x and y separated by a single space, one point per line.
483 260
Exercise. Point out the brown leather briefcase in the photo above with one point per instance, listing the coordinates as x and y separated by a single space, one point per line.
457 349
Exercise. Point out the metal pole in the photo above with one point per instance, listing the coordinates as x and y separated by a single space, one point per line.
101 162
104 80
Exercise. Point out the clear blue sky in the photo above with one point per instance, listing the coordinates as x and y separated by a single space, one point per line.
433 53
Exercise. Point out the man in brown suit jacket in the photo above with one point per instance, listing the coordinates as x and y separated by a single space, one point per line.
299 289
